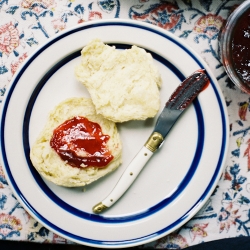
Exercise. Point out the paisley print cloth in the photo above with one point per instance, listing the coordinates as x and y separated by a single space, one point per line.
27 24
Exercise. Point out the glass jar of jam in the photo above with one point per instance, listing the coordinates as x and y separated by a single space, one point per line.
235 47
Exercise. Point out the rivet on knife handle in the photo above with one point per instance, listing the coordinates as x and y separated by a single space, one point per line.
180 99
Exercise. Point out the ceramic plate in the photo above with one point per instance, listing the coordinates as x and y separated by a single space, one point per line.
172 187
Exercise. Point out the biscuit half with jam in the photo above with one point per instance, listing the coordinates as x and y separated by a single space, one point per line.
77 146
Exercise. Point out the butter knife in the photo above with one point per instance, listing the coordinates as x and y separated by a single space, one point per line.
180 99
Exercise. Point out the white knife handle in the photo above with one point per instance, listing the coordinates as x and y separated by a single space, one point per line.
127 178
131 172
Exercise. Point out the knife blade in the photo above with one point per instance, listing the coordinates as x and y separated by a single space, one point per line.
178 102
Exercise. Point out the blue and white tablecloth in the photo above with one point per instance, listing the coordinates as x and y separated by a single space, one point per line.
27 24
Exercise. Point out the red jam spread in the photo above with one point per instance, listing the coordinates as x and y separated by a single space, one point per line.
241 47
81 143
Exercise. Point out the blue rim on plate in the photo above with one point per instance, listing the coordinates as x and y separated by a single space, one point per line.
101 218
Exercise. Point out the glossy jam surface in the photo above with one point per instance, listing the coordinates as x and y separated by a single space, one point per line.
241 47
81 143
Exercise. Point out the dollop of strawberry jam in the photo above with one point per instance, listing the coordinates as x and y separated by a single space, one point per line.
81 143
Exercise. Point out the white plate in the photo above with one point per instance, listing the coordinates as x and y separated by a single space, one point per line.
173 186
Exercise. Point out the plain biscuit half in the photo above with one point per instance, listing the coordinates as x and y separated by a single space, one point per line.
123 84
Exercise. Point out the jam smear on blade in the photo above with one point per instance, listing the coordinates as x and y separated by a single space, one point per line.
81 143
188 90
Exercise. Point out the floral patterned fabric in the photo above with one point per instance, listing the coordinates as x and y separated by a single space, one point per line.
27 24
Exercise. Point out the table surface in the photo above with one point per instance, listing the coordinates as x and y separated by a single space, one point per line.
27 24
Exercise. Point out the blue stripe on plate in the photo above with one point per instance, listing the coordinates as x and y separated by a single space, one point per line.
155 208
